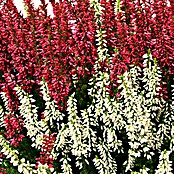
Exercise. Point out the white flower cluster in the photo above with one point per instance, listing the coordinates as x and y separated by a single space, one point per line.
143 110
21 7
23 167
102 49
138 111
165 165
117 6
104 163
35 128
51 113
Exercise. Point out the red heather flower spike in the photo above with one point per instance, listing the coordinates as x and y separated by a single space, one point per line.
14 126
47 146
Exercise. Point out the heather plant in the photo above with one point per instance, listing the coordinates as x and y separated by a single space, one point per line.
96 135
84 90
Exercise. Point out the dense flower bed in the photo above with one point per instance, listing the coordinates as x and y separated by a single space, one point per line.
88 89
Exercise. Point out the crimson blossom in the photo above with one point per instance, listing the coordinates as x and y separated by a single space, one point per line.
40 47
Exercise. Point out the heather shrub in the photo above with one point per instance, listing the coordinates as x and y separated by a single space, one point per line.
87 90
133 132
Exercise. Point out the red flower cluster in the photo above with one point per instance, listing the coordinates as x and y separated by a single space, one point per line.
3 171
55 49
47 147
137 27
141 25
14 126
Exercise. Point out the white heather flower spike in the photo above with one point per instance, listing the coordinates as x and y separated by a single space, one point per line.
165 165
102 49
51 112
117 6
28 112
20 5
23 166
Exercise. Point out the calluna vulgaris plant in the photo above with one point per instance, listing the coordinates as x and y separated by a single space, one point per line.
89 89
